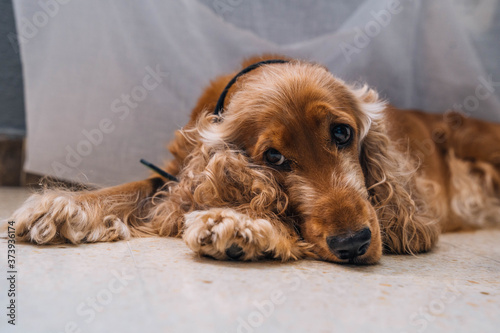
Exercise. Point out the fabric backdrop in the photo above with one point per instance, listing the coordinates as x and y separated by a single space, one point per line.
108 82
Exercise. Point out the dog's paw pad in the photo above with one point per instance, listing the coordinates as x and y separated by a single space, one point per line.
234 252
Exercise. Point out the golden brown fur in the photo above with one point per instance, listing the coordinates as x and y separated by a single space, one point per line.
404 178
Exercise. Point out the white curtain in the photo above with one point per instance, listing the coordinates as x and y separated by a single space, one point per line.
108 82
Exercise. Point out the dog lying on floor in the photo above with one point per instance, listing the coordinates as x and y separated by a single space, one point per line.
294 163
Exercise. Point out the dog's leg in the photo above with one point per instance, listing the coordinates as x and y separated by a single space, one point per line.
109 214
224 233
474 139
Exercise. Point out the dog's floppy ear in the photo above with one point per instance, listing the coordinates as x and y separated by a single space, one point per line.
391 180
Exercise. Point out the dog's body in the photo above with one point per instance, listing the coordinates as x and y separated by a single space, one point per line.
300 164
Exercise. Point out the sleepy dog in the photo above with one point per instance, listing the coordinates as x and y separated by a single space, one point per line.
286 161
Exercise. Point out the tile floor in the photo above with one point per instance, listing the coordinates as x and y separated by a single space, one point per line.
158 285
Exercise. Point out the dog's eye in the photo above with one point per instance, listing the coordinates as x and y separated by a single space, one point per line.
274 157
341 134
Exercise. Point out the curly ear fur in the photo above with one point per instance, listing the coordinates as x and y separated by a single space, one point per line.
396 190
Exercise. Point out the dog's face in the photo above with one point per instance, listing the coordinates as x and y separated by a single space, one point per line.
308 128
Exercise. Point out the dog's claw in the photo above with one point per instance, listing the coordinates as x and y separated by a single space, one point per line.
204 237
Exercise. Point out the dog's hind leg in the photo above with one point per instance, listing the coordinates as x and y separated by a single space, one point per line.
472 139
109 214
472 150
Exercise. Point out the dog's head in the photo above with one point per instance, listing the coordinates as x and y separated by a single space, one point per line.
309 132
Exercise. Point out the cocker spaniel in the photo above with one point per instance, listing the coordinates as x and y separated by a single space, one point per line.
294 163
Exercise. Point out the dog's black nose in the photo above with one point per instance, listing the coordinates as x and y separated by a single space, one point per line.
234 252
350 246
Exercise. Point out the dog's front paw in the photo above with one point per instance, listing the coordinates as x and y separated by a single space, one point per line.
226 234
41 217
59 216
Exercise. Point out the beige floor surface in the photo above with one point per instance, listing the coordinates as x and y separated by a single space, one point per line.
158 285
